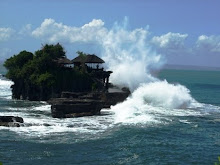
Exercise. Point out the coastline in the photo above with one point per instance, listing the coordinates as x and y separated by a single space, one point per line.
191 67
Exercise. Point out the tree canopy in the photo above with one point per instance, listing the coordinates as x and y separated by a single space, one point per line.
37 76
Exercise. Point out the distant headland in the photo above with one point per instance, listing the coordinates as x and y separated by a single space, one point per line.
191 67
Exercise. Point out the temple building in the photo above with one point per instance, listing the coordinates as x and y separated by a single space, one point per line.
64 62
93 65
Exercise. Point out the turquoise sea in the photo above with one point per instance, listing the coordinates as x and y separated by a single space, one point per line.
152 135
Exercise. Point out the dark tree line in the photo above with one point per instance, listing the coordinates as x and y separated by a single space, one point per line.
38 77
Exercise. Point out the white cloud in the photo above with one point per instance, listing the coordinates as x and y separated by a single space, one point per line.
208 43
174 44
52 31
170 44
6 33
26 30
170 40
94 23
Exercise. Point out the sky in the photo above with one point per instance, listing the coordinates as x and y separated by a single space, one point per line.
182 32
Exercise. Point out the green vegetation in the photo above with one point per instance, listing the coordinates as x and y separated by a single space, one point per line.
39 77
81 54
218 163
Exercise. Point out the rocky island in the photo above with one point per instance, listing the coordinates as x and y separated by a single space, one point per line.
74 88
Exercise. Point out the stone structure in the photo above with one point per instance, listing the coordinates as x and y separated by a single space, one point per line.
91 64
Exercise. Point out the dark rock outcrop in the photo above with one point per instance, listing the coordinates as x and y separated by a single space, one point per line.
11 121
72 94
66 108
114 98
85 104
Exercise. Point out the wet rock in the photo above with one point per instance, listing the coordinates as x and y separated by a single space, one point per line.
11 121
72 94
46 124
115 97
85 104
67 108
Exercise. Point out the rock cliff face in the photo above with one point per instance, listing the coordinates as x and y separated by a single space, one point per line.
114 98
84 104
11 121
66 108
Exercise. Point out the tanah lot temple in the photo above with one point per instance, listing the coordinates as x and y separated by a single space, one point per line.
89 63
71 102
77 104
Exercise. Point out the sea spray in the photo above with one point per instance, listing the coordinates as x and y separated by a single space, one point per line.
5 87
129 55
163 94
150 101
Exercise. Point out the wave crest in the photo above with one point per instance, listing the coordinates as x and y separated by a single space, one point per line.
150 100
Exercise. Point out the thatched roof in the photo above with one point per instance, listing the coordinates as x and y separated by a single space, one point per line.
79 59
88 59
63 60
93 59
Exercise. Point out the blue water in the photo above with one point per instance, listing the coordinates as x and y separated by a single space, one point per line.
172 136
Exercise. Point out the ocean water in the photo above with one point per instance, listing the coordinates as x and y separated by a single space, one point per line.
160 124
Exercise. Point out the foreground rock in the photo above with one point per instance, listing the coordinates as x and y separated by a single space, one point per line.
11 121
84 104
66 108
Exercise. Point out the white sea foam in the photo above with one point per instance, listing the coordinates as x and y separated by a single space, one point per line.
5 91
152 102
38 122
